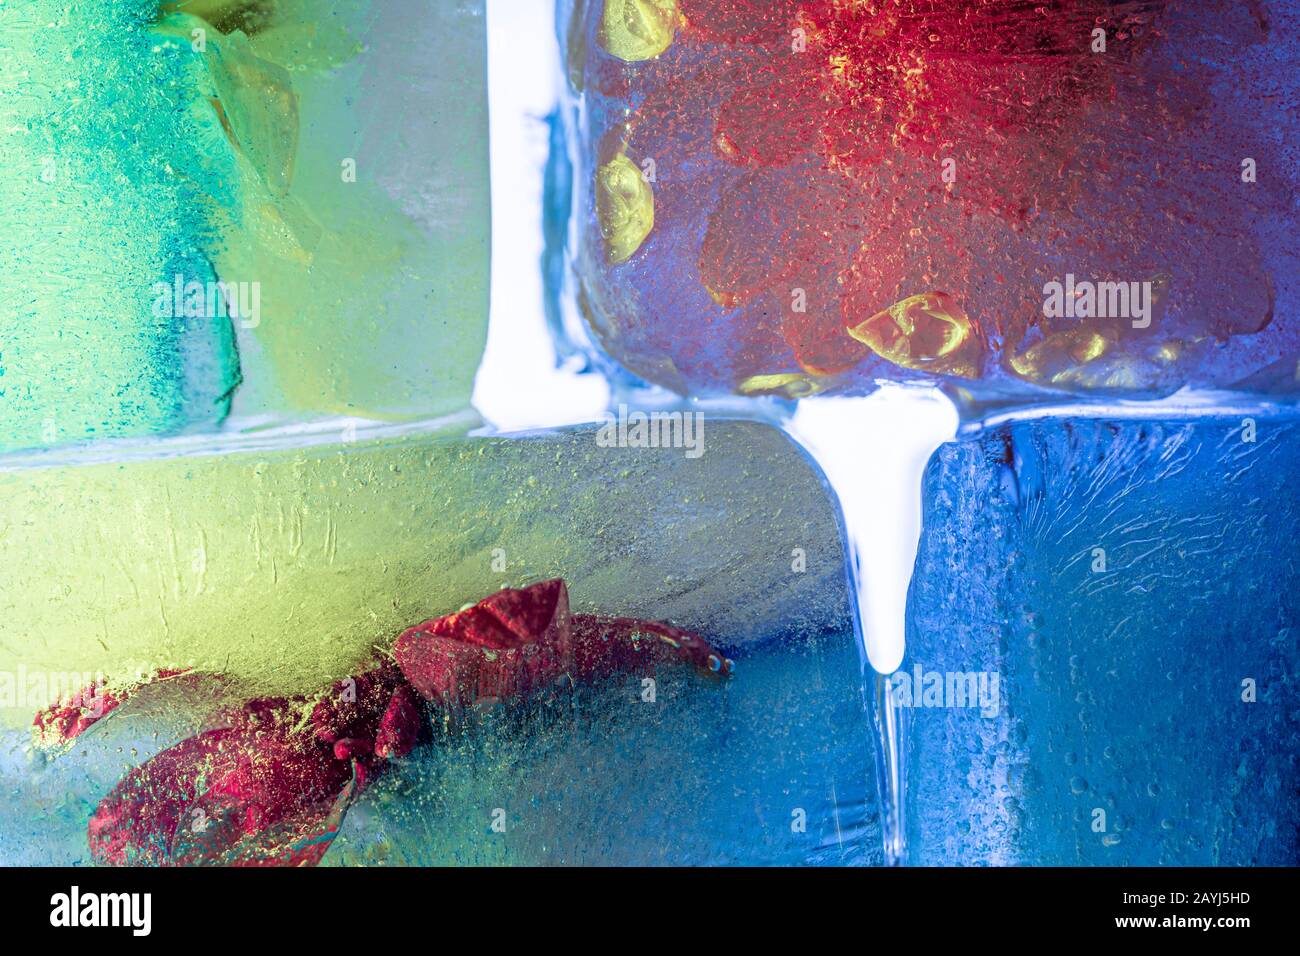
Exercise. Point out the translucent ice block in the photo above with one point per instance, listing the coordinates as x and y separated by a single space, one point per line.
1131 587
287 566
365 215
278 201
282 568
1014 200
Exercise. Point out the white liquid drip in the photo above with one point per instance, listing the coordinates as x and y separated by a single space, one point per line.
873 451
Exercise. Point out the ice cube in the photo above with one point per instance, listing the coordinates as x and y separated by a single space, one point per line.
216 200
1016 201
1122 593
283 568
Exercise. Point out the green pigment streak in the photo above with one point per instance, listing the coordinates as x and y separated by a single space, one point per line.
102 195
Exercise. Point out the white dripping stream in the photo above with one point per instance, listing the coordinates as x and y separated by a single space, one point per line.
873 451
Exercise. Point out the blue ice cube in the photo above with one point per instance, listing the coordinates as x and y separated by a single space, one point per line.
1127 593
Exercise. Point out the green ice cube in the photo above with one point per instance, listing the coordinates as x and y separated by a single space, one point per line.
284 202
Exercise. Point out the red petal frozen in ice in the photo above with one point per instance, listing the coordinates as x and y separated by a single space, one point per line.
817 335
448 662
353 707
61 723
508 644
609 645
298 838
241 782
273 787
400 725
529 615
266 790
441 669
